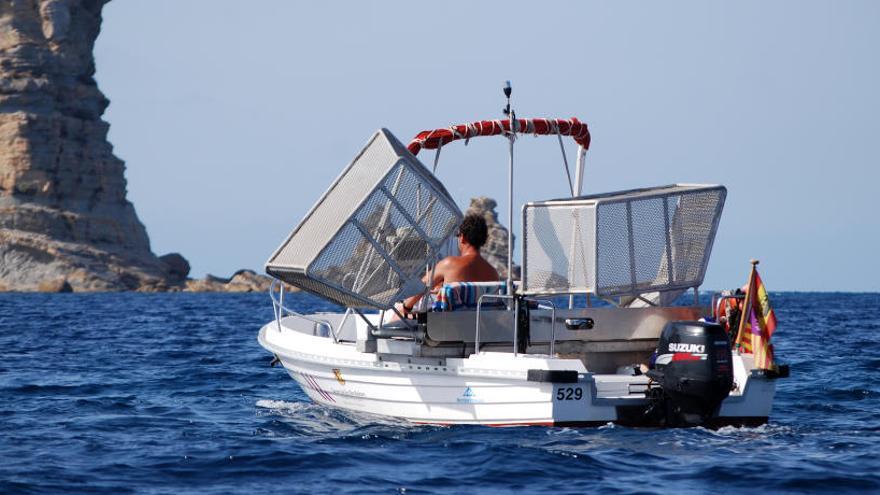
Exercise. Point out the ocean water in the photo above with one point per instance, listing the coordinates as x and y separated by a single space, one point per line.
170 393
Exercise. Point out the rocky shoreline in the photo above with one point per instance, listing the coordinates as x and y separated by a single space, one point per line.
242 281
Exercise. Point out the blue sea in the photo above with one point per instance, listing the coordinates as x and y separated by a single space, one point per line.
170 393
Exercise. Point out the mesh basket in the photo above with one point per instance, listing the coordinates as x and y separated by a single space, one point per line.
624 243
368 239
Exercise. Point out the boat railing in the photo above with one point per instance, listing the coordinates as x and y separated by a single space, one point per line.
517 299
280 310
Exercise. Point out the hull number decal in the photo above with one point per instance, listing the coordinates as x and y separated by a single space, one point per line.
569 393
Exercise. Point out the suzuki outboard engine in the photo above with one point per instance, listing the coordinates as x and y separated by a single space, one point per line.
694 369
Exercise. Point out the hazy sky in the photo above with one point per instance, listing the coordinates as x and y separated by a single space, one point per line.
233 117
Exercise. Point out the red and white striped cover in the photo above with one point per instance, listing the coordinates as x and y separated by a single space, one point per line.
438 137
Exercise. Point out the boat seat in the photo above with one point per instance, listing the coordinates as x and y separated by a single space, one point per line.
465 295
461 296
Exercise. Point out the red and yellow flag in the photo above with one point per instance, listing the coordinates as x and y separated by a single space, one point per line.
758 322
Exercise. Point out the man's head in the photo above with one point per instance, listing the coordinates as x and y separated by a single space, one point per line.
473 230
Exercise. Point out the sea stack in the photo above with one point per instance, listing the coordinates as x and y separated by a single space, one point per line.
64 218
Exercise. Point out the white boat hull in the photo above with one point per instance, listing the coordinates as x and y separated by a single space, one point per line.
488 388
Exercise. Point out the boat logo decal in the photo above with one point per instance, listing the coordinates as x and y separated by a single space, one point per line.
469 397
690 348
338 373
312 383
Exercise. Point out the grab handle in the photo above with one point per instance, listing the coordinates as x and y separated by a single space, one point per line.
579 323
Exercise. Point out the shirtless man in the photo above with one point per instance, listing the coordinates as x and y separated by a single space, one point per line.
469 266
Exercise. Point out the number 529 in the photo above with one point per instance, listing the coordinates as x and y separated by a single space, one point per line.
569 393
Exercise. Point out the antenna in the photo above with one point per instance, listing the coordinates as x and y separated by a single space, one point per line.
511 138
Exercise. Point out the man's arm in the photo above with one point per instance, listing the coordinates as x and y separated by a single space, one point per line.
432 283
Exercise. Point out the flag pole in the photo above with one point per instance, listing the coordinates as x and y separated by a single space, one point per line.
746 304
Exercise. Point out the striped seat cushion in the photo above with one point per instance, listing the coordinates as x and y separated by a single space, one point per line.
466 295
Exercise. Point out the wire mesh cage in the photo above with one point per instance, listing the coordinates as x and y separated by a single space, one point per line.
368 239
621 244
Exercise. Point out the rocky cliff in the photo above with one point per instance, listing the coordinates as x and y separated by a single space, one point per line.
64 216
65 222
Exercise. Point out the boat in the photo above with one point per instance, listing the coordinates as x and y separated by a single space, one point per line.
589 334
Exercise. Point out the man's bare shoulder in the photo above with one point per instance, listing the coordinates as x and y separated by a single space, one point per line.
449 262
453 259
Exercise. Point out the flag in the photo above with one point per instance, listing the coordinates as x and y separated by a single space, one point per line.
758 324
744 331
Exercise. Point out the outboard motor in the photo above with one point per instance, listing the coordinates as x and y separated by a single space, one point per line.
694 369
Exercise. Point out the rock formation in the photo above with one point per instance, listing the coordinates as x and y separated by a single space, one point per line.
495 249
241 281
64 217
65 222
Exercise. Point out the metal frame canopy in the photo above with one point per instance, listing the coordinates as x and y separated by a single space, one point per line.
367 240
437 138
625 243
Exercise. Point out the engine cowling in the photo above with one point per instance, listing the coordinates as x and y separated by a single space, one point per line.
694 368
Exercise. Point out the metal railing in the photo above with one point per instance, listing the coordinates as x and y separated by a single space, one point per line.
516 319
279 310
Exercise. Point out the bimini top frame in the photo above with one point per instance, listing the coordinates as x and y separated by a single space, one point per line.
624 243
510 127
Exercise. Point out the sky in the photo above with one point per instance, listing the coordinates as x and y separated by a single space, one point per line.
233 117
